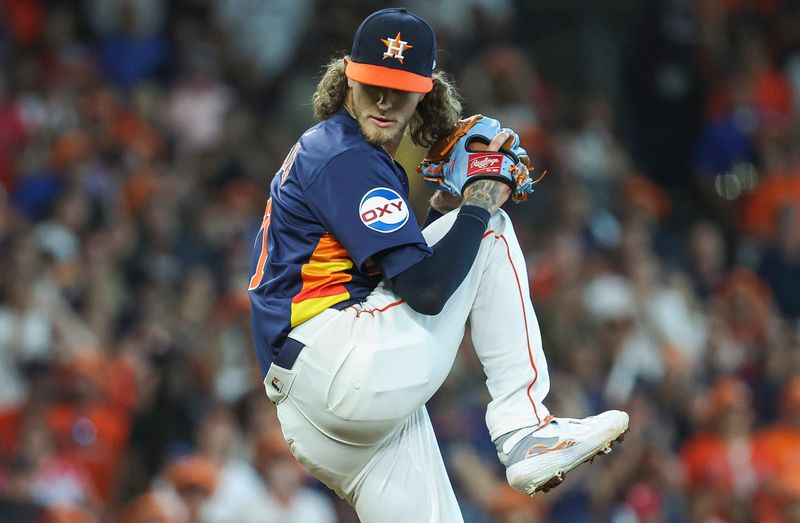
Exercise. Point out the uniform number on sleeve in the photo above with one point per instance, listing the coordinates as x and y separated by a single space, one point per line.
255 280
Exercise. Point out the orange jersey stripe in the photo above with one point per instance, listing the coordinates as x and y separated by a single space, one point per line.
323 277
311 307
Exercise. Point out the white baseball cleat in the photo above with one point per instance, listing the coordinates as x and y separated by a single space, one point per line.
537 458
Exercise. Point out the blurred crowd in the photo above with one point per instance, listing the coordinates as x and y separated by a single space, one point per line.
137 142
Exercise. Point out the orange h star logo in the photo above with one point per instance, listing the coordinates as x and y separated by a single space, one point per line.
395 47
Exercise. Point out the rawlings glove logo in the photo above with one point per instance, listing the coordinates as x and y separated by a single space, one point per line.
485 163
383 210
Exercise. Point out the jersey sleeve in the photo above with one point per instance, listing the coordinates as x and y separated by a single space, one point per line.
360 199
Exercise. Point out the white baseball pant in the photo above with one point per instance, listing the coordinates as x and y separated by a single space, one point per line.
352 407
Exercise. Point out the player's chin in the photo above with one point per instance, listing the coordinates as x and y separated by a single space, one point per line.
378 136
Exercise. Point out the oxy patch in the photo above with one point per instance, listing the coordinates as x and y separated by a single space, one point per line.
383 210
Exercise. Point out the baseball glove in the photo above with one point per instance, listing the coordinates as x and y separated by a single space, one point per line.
454 162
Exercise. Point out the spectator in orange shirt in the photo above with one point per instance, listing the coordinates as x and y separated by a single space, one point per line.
777 450
86 425
787 498
718 461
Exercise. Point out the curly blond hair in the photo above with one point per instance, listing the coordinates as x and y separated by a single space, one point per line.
435 116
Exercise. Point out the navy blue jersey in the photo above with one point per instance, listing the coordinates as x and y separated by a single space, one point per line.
335 203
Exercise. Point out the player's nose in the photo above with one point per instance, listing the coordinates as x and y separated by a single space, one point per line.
384 100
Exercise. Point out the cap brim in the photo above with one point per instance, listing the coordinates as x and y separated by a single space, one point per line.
387 77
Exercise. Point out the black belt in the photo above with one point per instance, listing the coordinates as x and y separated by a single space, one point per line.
288 353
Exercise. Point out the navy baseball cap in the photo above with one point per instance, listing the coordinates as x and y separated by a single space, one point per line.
393 48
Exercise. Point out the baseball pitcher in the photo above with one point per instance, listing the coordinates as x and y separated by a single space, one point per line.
357 314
